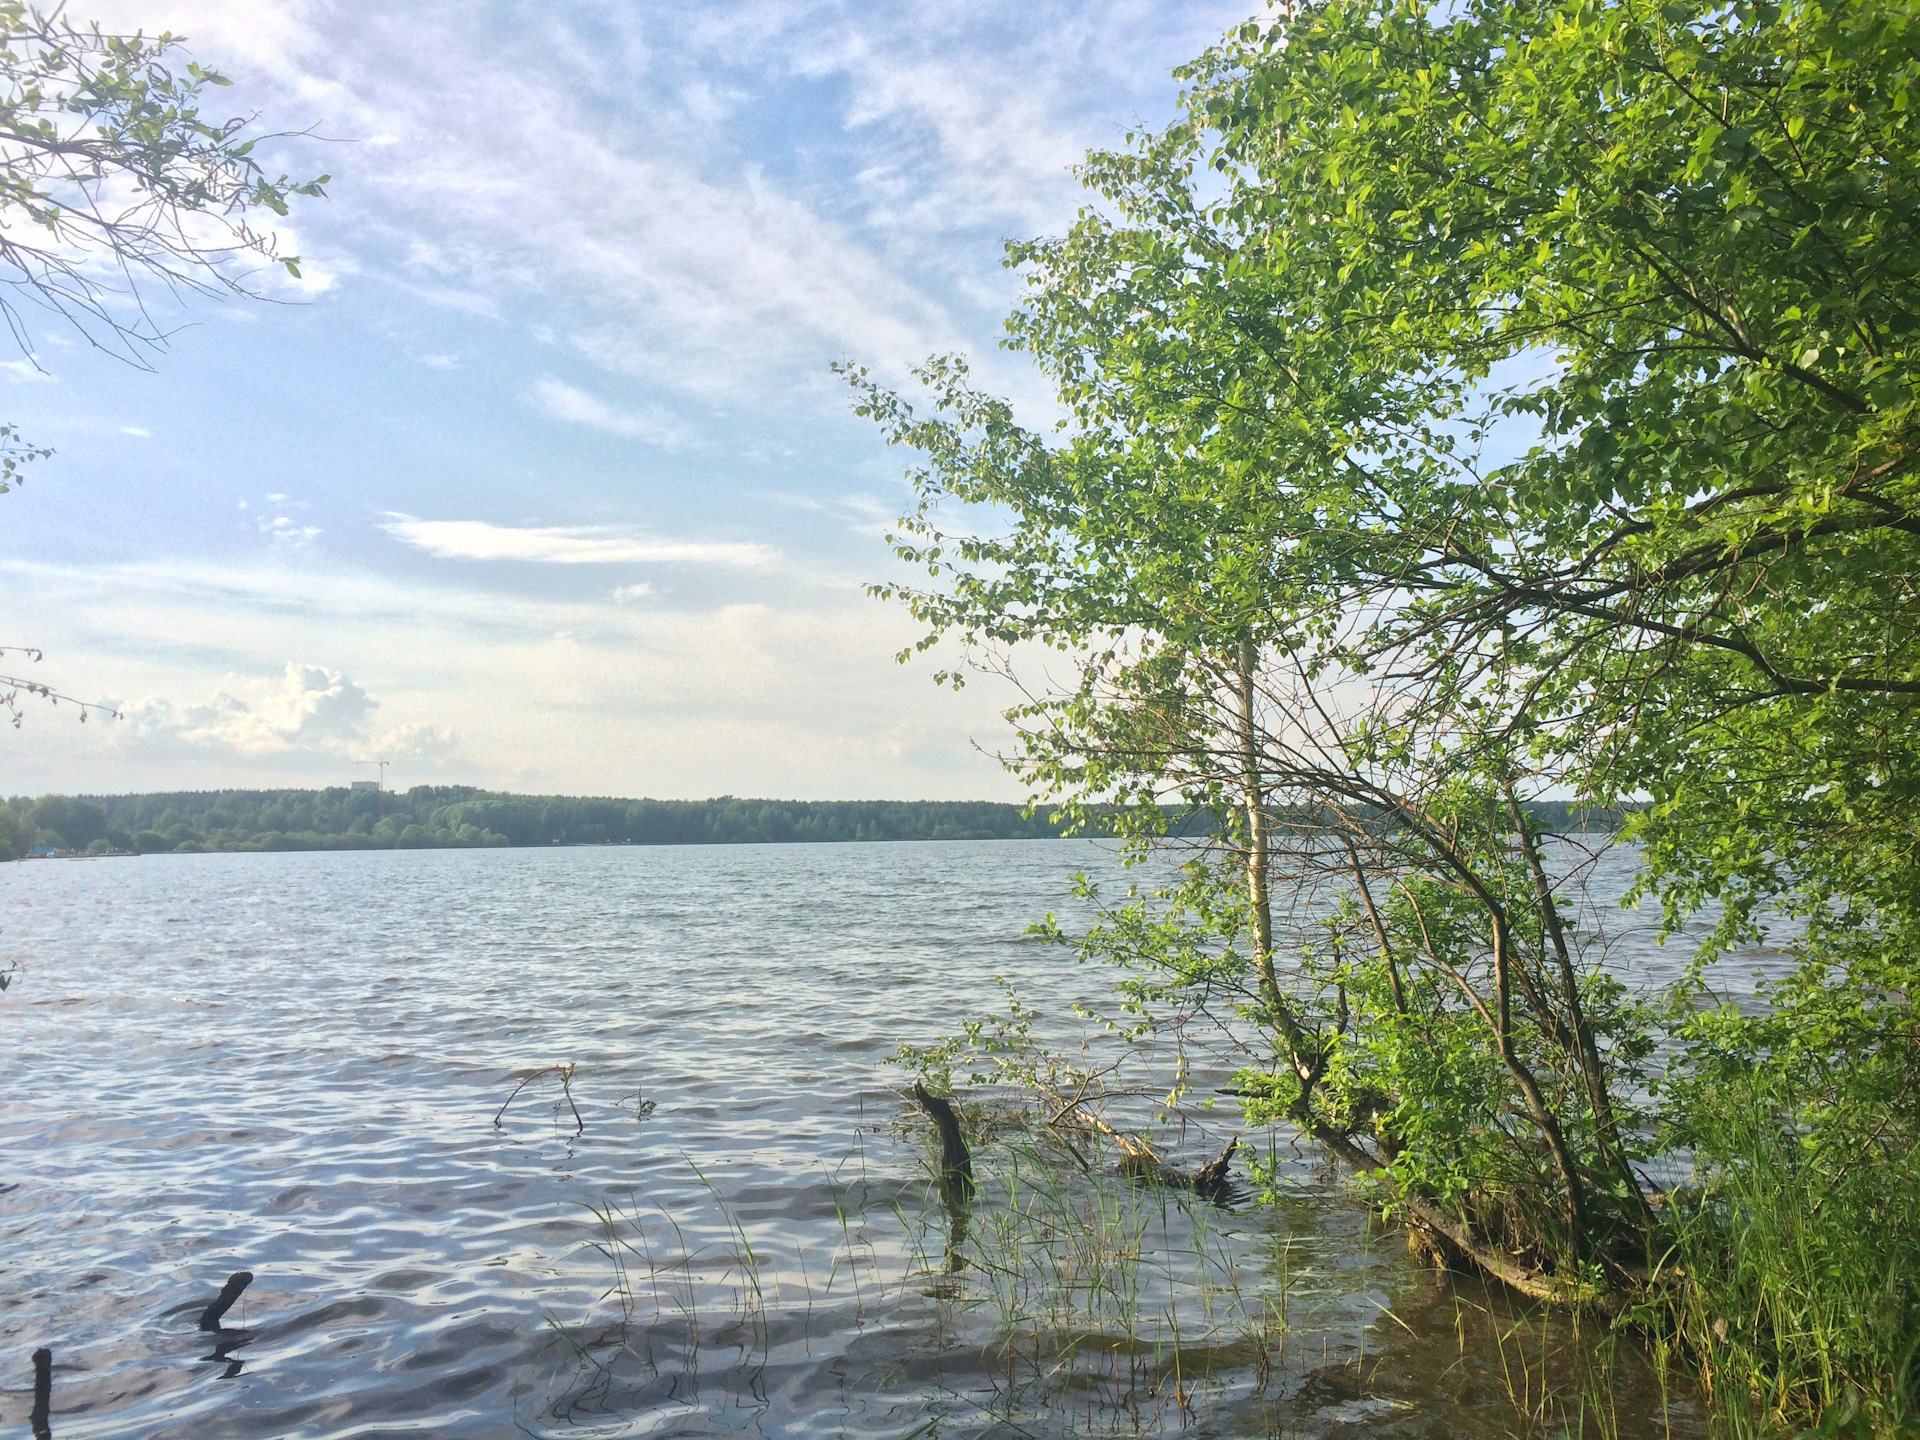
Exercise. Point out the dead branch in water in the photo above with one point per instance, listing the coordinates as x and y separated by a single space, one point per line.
565 1072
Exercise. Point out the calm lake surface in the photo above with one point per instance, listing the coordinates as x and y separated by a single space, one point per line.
292 1064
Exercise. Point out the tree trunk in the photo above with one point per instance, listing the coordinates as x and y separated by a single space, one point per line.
1301 1051
1605 1124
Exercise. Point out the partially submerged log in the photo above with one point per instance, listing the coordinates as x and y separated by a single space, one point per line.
1140 1162
1210 1180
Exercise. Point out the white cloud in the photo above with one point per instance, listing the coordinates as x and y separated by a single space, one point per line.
708 201
653 424
433 744
708 197
766 699
308 709
507 178
136 431
567 545
283 530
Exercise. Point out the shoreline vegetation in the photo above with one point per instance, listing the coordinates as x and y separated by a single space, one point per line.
459 817
1466 406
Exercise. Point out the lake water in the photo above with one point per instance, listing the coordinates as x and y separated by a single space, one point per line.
292 1064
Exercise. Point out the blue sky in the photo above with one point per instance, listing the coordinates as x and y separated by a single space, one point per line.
538 479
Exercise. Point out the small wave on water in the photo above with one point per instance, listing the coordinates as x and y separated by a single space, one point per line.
295 1065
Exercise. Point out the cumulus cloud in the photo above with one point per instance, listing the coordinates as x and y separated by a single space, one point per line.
567 545
307 714
430 744
565 402
308 709
598 698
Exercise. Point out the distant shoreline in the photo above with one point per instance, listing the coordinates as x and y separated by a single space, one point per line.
442 817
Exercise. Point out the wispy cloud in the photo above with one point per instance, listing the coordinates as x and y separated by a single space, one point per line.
691 209
577 407
568 545
698 249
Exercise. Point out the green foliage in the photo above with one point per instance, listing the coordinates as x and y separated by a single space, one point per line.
457 816
16 828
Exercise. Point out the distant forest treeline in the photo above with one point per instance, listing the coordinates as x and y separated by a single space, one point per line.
452 816
446 816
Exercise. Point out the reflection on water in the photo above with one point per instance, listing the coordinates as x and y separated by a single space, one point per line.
292 1065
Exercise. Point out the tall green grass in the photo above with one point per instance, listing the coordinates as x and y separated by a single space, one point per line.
1793 1269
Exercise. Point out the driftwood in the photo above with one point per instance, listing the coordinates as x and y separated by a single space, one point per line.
229 1292
1138 1160
1141 1162
956 1162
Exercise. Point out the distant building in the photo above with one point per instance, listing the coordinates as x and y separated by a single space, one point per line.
45 852
364 785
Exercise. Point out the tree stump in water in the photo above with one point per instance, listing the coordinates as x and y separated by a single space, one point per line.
956 1163
42 1392
229 1292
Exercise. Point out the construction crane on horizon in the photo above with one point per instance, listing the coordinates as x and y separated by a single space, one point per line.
382 781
